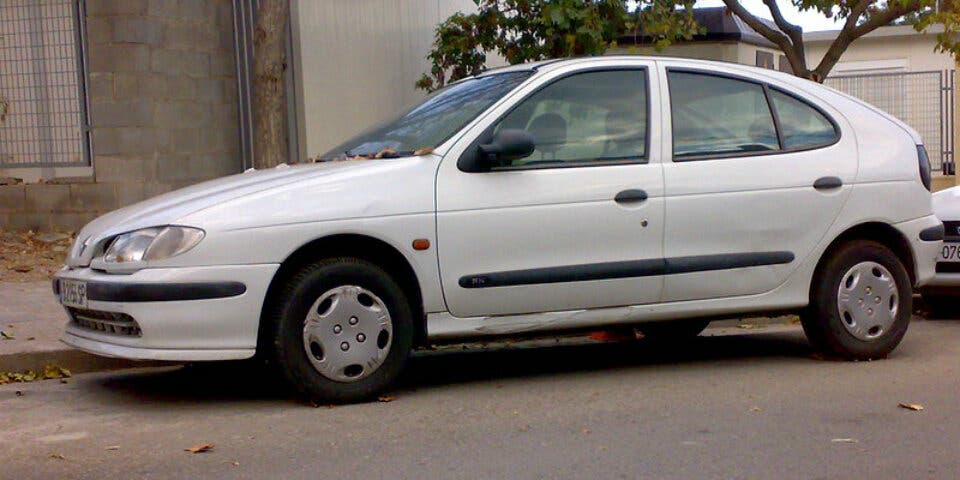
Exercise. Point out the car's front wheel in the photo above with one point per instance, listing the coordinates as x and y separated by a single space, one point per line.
342 330
860 302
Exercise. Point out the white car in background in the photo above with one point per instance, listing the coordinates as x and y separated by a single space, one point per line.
572 194
942 294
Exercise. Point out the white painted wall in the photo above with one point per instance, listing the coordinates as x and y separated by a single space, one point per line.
887 49
356 62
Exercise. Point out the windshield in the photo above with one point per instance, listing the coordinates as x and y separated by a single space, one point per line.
432 121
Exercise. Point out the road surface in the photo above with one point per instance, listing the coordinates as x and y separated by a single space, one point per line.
737 403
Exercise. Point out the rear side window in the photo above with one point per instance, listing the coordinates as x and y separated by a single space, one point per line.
715 115
801 125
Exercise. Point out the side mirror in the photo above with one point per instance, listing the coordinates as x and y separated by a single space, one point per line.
506 146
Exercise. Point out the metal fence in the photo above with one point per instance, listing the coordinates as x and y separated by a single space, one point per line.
923 100
43 117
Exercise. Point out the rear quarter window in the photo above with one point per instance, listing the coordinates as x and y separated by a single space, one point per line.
801 125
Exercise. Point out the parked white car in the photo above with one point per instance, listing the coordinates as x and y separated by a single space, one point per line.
942 294
574 194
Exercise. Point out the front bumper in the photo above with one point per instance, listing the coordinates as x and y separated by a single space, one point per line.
180 314
926 249
946 281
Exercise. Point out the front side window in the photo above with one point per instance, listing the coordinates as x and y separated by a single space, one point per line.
587 117
432 121
801 125
719 116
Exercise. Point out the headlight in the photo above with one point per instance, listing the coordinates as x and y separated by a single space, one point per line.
156 243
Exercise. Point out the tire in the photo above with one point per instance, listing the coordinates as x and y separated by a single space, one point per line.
942 306
340 330
838 323
672 331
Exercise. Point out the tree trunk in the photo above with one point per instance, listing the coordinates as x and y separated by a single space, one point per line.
269 99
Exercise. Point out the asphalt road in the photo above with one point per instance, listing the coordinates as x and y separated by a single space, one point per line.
734 404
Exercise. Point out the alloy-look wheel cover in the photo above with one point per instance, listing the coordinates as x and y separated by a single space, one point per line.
347 333
868 300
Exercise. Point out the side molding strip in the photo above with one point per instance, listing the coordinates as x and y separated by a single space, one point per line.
627 269
162 292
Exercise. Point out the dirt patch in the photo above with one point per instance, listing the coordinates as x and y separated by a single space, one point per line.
31 256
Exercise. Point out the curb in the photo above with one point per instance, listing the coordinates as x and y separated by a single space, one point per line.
69 358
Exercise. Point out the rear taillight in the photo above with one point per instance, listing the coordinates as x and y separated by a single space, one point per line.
924 166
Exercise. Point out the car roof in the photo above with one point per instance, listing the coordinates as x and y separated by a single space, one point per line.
548 65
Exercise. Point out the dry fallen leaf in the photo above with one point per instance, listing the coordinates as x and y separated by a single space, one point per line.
235 464
422 151
57 456
113 447
585 431
911 406
6 335
844 440
387 153
756 409
19 393
385 398
203 447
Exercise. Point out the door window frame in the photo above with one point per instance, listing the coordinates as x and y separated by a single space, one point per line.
487 133
838 133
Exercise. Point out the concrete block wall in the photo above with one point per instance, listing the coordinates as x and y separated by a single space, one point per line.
163 106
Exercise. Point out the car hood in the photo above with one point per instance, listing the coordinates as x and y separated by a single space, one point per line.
946 204
276 196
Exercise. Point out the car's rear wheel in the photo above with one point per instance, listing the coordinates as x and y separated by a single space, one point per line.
672 331
860 302
342 330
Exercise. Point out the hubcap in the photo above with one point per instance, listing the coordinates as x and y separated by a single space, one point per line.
868 300
347 333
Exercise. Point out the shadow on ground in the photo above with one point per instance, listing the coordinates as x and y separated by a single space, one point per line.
246 381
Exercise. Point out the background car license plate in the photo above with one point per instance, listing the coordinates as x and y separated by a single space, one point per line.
73 293
950 252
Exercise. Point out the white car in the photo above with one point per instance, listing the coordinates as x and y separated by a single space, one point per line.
574 194
942 294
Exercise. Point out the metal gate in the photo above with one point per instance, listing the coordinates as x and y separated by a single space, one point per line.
43 117
923 100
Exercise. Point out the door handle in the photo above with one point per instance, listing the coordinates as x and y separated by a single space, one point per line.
827 183
630 196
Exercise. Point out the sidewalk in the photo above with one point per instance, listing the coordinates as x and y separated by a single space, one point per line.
31 315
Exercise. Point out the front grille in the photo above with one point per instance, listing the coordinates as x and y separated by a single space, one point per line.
111 323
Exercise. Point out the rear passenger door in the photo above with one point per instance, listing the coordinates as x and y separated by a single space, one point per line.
756 177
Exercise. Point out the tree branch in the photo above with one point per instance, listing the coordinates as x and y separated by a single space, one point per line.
793 31
851 31
794 52
755 23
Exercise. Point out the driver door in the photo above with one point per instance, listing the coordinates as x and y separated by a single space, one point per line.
579 223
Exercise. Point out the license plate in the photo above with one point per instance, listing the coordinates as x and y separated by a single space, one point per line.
950 252
73 293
